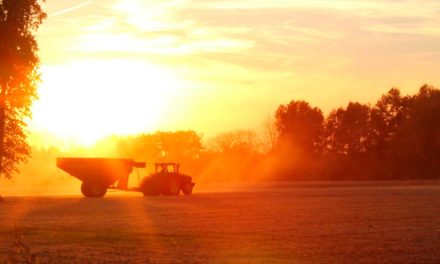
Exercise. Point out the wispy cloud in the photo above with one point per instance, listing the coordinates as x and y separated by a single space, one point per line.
70 9
311 29
314 47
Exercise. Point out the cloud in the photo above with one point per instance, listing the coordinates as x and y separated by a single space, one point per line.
70 9
268 50
270 28
321 4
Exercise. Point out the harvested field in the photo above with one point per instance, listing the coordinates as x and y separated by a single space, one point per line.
272 223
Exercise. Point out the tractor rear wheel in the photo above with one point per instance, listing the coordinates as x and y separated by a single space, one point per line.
95 190
187 188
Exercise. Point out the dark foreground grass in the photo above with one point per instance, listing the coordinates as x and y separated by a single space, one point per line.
280 224
20 252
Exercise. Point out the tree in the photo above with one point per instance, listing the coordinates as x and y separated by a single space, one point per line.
418 143
19 62
347 130
299 125
238 141
232 156
299 128
270 134
179 145
346 141
388 116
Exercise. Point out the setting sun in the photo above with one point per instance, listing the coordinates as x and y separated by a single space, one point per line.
89 99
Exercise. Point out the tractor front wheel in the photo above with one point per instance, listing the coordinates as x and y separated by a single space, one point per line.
187 188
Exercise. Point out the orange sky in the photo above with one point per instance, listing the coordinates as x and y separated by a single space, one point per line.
130 66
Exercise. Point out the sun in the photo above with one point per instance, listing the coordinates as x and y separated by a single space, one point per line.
86 100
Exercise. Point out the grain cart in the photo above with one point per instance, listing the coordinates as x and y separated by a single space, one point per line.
99 174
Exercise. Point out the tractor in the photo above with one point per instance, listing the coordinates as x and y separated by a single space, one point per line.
100 174
167 180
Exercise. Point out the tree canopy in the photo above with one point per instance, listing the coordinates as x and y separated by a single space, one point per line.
396 138
19 62
299 124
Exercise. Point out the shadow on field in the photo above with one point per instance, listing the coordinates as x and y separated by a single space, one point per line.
114 229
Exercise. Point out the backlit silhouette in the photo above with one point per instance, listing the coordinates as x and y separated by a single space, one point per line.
18 78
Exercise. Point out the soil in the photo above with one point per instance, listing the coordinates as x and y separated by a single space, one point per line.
277 223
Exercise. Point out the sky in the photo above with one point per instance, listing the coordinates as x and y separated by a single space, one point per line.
137 66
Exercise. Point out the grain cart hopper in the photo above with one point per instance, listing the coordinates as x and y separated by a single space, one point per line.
99 174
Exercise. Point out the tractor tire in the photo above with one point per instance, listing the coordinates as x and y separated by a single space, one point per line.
173 187
187 188
93 190
85 189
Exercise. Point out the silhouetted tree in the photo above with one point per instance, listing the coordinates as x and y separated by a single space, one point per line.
347 130
346 141
179 145
19 62
418 144
299 126
165 146
388 116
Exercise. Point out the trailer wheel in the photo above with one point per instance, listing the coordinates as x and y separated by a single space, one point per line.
95 190
85 190
187 188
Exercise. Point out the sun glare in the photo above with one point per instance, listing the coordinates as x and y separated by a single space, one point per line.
89 99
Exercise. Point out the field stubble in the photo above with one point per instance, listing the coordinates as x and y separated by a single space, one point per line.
275 223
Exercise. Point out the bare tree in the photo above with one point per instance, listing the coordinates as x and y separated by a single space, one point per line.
236 141
270 133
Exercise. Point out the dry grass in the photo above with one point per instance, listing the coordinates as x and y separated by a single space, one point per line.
276 224
19 252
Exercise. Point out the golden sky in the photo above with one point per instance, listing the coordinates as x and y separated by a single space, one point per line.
130 66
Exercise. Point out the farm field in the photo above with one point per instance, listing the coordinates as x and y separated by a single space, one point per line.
265 223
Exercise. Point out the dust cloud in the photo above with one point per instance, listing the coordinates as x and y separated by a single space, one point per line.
225 161
233 158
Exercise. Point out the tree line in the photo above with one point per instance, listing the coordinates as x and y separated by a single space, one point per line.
396 138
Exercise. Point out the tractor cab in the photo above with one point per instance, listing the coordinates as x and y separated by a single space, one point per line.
167 168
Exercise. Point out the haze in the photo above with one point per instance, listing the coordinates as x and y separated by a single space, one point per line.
131 66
